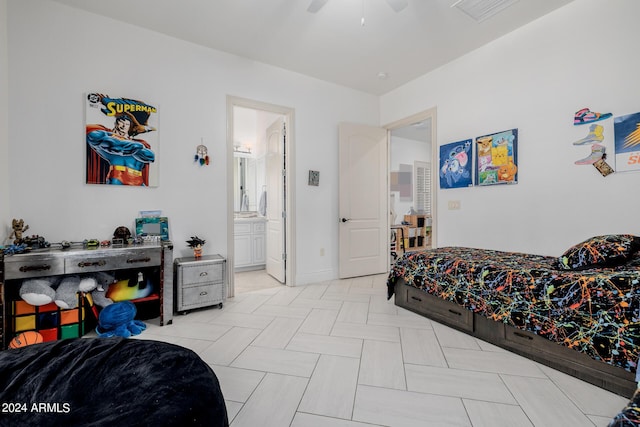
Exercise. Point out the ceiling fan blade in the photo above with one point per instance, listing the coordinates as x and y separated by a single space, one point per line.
316 5
398 5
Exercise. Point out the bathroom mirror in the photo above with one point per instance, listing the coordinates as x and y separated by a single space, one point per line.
247 189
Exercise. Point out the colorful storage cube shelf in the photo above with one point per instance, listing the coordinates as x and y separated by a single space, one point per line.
51 321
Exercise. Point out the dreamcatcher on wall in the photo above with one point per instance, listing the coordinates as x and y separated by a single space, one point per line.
202 156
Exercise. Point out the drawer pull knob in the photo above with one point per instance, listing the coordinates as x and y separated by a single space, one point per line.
416 298
518 334
455 312
26 268
92 263
203 293
204 273
134 260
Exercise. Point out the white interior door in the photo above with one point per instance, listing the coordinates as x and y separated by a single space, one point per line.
364 228
276 217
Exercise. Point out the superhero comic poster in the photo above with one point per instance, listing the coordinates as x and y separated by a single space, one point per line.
121 141
497 158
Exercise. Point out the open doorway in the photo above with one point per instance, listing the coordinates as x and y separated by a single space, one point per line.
412 184
260 215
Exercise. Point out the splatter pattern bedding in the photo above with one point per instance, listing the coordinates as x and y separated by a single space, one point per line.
587 299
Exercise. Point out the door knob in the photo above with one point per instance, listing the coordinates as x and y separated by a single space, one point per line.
344 220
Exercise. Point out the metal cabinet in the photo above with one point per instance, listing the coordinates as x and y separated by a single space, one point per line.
200 282
52 262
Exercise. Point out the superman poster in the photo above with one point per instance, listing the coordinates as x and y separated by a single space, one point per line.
121 141
627 136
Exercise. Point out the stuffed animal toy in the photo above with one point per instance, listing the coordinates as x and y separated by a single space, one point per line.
118 320
67 292
96 284
64 291
99 294
38 291
132 288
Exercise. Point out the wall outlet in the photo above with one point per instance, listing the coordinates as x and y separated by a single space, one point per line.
321 251
454 205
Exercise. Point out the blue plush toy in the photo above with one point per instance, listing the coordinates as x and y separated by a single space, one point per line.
118 320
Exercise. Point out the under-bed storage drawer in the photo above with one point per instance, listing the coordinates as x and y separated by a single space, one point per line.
517 339
437 308
569 361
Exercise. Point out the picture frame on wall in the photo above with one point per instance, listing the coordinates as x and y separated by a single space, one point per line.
456 165
402 182
627 142
497 158
121 141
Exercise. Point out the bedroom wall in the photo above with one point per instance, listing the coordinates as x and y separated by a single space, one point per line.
4 136
57 54
535 79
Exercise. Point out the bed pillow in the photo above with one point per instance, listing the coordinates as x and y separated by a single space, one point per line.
600 251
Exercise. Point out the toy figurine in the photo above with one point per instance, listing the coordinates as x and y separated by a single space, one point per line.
196 243
122 233
18 228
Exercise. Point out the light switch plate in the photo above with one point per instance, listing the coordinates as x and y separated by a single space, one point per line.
454 205
314 178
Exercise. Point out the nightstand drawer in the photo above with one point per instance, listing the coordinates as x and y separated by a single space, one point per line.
198 273
201 296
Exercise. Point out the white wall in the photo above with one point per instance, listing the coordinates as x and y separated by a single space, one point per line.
535 79
4 134
57 54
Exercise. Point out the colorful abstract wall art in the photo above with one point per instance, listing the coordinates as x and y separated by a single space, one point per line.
455 165
497 158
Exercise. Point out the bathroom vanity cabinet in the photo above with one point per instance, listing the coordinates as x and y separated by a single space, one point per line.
250 243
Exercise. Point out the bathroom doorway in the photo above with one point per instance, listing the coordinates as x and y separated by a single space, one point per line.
260 142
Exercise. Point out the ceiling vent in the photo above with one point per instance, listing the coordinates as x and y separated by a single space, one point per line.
482 9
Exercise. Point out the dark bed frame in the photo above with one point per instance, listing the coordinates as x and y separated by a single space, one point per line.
524 343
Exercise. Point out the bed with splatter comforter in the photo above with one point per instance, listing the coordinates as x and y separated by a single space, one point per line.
587 300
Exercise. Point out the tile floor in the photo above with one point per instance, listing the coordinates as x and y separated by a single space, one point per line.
339 354
255 280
